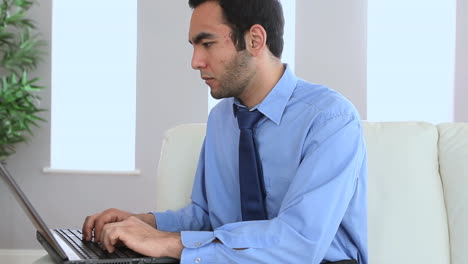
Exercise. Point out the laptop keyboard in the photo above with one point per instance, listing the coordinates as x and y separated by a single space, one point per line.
92 250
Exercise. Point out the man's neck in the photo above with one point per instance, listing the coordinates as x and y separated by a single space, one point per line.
267 76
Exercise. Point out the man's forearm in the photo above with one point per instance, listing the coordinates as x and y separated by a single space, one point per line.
174 245
147 218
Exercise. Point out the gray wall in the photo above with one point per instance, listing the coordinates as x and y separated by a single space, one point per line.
461 65
331 46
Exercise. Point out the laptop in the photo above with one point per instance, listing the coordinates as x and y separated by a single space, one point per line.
66 245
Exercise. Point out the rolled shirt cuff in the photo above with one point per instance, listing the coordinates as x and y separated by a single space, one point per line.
198 247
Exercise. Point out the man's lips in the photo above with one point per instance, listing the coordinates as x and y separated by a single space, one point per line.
207 79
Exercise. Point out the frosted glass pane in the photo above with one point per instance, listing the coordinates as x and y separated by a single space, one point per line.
94 48
289 49
411 50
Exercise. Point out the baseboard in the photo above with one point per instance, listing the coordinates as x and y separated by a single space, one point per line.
20 255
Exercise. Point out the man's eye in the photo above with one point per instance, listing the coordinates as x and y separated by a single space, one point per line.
207 44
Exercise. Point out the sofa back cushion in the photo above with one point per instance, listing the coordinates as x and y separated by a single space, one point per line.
177 165
453 159
407 217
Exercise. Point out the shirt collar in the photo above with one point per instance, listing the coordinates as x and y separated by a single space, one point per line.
275 102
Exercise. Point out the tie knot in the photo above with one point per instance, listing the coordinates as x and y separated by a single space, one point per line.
247 119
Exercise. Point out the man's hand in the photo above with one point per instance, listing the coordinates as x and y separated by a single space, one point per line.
142 238
96 222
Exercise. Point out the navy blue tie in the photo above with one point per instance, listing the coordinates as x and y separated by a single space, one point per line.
252 191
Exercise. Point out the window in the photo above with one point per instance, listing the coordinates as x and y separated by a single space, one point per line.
93 85
411 60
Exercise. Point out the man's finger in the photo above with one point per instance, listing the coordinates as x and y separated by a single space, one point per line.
99 224
88 226
104 239
110 236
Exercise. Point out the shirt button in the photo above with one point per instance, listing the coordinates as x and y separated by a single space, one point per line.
197 244
198 260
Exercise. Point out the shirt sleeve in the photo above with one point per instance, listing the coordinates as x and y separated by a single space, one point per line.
311 212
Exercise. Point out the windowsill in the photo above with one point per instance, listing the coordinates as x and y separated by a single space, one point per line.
91 172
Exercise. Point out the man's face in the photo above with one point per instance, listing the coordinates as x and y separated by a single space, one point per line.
223 68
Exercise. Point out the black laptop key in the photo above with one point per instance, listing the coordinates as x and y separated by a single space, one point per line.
80 246
76 243
94 247
129 253
120 254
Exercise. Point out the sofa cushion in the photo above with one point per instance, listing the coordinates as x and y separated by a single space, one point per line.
407 217
177 165
453 159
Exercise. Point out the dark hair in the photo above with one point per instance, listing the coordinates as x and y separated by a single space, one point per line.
240 15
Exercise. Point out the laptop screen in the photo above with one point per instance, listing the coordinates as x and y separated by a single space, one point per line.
30 211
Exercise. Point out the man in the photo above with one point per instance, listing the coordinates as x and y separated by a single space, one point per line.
309 159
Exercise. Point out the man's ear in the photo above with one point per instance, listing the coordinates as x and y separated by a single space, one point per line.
255 40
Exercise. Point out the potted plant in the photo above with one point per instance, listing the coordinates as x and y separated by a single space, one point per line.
19 54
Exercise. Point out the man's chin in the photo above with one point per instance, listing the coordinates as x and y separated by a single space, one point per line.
216 95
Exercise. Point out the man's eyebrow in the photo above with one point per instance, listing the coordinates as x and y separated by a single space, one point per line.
201 36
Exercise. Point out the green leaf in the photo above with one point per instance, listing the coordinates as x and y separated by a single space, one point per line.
4 83
20 52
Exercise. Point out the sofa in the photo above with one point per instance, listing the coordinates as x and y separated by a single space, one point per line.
417 198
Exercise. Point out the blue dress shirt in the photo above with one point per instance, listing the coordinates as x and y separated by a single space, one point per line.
313 154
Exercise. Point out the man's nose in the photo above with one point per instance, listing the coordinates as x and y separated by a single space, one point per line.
198 60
